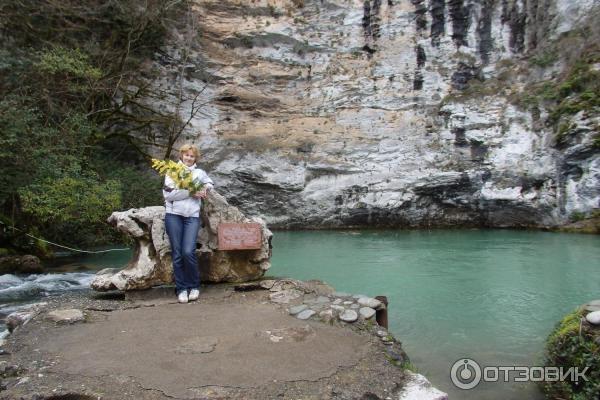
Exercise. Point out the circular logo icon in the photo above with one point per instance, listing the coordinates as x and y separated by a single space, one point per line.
465 373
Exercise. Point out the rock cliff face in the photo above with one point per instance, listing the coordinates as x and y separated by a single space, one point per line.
329 113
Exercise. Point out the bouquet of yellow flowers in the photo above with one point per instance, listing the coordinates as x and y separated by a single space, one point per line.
182 176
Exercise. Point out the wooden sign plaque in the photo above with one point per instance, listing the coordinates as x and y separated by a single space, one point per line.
238 236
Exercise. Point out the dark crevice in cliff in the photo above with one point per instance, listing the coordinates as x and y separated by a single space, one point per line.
421 58
460 139
478 150
420 14
369 50
461 21
418 81
371 21
437 8
462 76
516 19
538 19
484 31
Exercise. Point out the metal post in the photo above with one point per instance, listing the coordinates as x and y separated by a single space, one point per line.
382 315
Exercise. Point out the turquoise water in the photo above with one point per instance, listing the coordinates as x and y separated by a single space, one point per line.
489 295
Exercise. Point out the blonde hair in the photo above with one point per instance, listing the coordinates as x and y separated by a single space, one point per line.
189 147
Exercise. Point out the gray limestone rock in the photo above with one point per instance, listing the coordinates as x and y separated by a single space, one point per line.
18 318
469 158
70 315
21 317
151 262
366 312
306 314
593 318
285 296
338 308
593 305
348 316
370 302
417 387
297 309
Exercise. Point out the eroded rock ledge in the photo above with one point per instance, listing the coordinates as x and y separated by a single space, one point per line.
151 262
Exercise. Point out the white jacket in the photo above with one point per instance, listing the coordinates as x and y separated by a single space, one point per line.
179 201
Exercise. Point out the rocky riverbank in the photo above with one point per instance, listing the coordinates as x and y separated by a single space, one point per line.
270 339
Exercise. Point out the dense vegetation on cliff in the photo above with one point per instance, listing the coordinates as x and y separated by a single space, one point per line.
73 130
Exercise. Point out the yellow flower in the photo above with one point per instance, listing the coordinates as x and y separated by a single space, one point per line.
182 176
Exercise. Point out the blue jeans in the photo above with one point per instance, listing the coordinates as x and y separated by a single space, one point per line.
183 232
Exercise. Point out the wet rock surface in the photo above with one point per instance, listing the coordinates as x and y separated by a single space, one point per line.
231 343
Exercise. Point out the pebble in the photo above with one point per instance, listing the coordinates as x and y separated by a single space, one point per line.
348 302
66 315
337 301
306 314
337 308
349 316
298 309
284 296
18 318
354 306
593 317
370 302
23 380
593 305
382 333
366 312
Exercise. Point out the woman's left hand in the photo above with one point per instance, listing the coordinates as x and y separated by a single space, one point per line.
201 194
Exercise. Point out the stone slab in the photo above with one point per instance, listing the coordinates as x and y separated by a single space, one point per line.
239 236
208 344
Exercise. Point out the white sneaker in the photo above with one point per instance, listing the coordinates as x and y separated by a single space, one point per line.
182 297
194 293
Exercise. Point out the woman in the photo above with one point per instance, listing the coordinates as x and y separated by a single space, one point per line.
182 223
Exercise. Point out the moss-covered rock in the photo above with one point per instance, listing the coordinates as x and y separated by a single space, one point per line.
574 343
27 264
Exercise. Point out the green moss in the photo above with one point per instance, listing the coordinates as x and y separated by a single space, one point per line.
575 90
574 343
407 365
545 58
